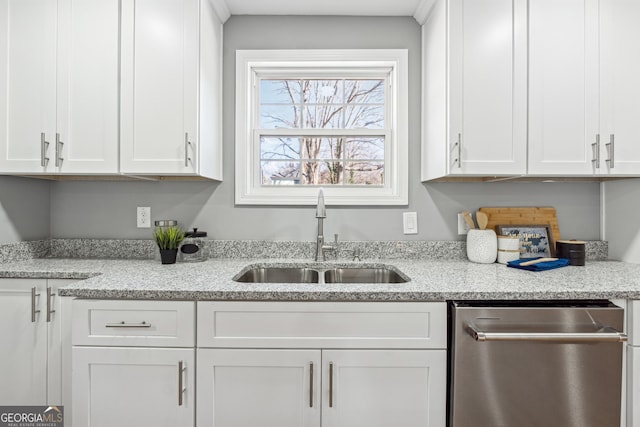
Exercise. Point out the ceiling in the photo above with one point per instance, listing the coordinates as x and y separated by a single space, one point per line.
415 8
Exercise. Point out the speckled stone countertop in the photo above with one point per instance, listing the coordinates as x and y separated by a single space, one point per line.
430 280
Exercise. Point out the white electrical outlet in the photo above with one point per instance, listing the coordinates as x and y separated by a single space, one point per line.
463 227
144 217
410 222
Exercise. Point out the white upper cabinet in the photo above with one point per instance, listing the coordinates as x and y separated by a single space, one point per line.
28 85
171 88
584 88
106 87
620 86
59 112
474 55
563 87
87 102
580 108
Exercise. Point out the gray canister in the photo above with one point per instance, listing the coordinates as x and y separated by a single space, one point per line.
573 250
193 245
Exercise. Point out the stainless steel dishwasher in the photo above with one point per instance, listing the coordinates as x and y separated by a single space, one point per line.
535 364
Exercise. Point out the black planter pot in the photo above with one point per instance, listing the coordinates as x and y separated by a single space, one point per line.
168 256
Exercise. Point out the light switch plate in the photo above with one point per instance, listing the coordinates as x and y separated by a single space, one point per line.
410 222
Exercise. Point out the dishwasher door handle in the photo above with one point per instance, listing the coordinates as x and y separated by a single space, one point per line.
611 335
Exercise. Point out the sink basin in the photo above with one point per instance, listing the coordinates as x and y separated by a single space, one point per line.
279 275
362 275
320 275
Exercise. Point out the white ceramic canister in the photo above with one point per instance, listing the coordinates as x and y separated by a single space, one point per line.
482 246
508 249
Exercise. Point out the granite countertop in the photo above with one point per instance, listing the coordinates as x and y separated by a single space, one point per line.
430 280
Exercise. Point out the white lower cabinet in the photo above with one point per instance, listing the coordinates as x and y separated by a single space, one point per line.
348 364
32 342
133 387
239 387
284 364
379 388
25 366
312 388
133 363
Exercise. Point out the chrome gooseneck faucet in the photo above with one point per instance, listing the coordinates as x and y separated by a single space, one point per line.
321 248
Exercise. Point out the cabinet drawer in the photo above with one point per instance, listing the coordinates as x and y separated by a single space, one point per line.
322 324
133 323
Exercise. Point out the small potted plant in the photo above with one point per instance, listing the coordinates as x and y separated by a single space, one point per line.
168 240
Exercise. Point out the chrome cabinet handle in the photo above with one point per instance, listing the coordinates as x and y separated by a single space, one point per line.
310 384
610 149
44 146
181 388
458 145
50 295
59 145
187 144
330 385
611 335
33 304
124 324
595 148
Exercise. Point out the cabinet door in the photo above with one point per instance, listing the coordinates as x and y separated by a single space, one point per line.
620 67
23 333
27 85
633 386
58 344
87 95
241 388
563 87
488 87
380 388
133 387
159 86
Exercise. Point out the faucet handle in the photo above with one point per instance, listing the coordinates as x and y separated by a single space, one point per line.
332 248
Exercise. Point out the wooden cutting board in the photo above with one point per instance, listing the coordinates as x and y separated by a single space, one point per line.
524 216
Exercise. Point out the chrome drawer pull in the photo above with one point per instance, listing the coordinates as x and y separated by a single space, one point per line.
44 146
33 304
610 336
330 385
311 385
187 144
458 145
181 388
595 148
59 145
50 295
123 324
610 149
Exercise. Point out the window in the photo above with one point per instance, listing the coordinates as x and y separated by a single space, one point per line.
316 118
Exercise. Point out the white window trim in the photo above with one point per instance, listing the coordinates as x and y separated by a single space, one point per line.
395 190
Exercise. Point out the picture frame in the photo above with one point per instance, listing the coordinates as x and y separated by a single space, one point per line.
536 240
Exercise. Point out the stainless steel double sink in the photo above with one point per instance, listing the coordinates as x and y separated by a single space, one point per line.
321 275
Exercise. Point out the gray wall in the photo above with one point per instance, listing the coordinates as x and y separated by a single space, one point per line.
622 228
24 209
107 209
